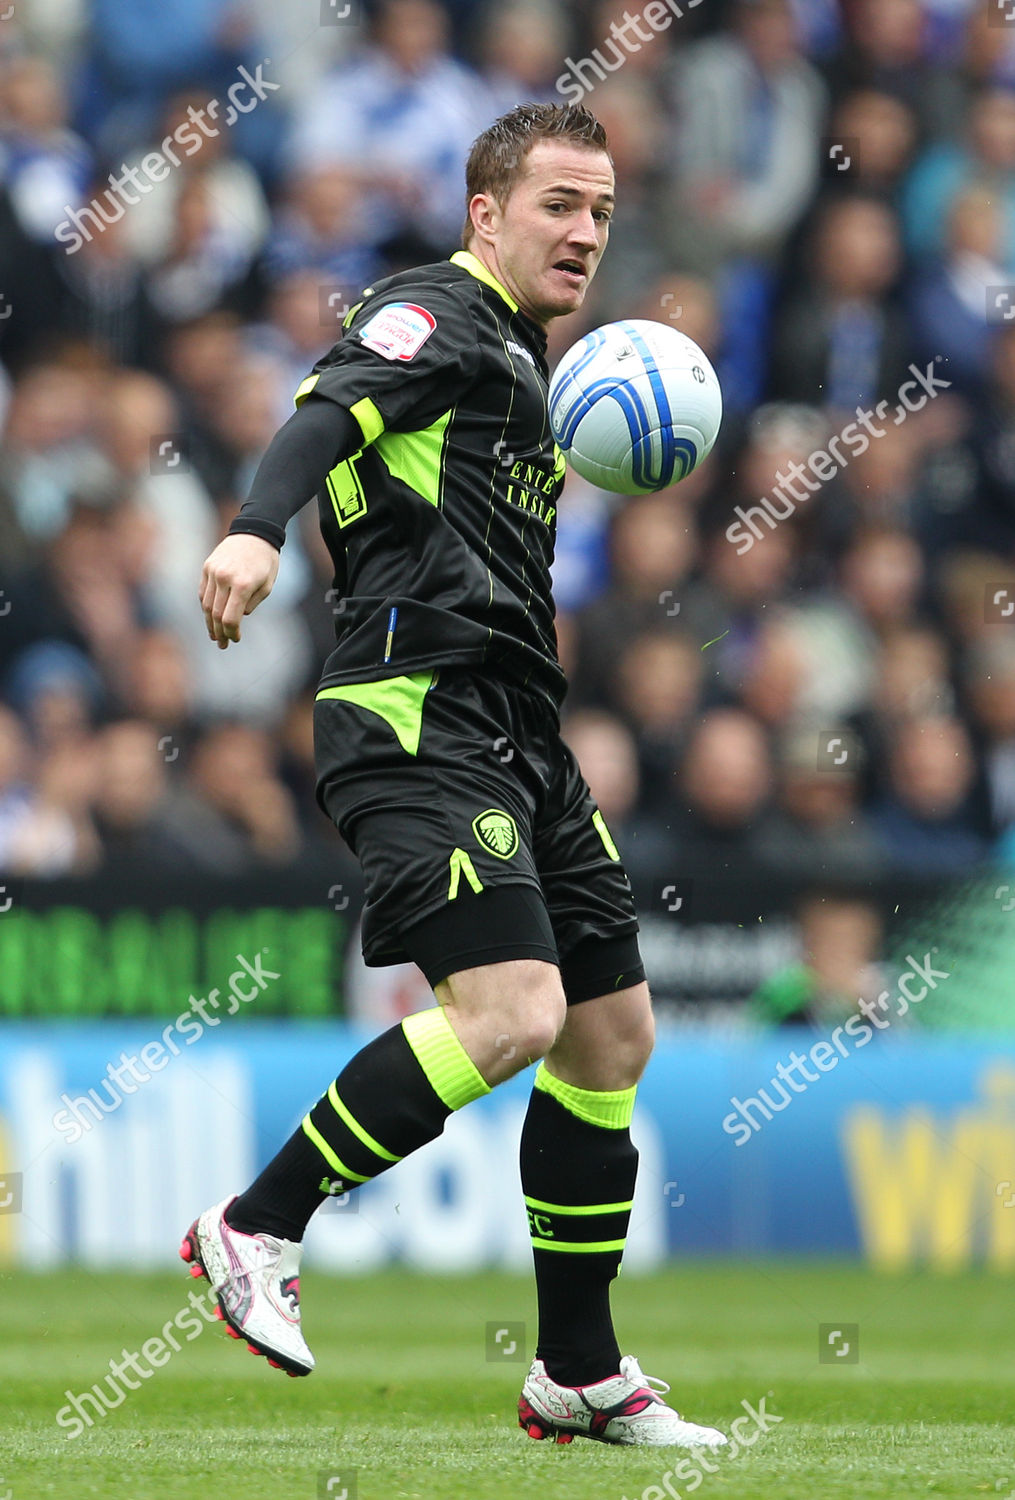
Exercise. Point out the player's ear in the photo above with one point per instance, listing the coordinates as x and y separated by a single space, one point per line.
485 213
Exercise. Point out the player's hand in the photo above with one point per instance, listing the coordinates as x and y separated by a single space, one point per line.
236 577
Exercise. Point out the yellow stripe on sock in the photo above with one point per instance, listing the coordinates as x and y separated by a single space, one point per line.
577 1247
578 1208
334 1163
612 1109
356 1128
452 1074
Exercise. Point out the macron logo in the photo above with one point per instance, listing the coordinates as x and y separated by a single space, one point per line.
519 349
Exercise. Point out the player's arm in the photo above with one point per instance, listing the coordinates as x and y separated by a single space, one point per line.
242 569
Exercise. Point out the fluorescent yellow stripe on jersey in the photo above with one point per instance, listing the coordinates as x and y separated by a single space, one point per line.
371 423
305 388
415 457
356 1128
578 1208
311 1131
452 1074
475 267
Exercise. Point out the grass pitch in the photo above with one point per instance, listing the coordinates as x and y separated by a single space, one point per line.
405 1402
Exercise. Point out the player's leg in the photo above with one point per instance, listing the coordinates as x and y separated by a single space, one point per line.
397 1092
580 1113
577 1154
392 1097
410 772
578 1162
579 1167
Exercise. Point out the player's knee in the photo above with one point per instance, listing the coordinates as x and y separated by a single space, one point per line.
512 1012
632 1042
539 1014
641 1043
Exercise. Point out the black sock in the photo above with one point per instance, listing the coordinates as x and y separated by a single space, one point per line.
568 1164
390 1099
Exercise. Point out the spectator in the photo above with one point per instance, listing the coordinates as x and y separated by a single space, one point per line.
238 213
140 429
655 690
985 159
321 228
83 592
722 793
49 455
880 579
232 812
888 48
879 488
748 109
44 165
911 679
840 938
635 126
776 674
138 58
303 319
926 822
818 830
989 681
55 834
200 358
157 689
605 751
581 566
130 790
403 115
14 792
202 267
521 45
652 548
949 298
689 303
884 130
57 692
842 336
98 289
981 513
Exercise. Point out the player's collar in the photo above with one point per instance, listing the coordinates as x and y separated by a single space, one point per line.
475 267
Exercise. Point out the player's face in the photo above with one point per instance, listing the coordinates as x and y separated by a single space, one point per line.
549 237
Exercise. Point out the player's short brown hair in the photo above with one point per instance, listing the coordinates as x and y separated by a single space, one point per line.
497 158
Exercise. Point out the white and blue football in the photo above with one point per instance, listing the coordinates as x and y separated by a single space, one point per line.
635 406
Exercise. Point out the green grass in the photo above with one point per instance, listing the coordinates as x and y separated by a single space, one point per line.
403 1392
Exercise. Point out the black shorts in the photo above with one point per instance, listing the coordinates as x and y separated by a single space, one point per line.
477 835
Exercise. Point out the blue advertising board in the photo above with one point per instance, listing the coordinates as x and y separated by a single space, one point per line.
113 1135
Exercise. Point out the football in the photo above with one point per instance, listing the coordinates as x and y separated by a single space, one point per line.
635 406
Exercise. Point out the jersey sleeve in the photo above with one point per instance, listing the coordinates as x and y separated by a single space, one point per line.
404 360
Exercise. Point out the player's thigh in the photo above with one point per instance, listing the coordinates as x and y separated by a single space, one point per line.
586 888
409 770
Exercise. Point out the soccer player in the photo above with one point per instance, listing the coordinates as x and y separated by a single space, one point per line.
424 433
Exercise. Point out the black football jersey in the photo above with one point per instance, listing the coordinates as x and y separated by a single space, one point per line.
441 527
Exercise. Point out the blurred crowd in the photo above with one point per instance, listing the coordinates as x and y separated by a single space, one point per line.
821 194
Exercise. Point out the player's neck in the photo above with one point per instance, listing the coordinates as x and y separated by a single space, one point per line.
487 257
